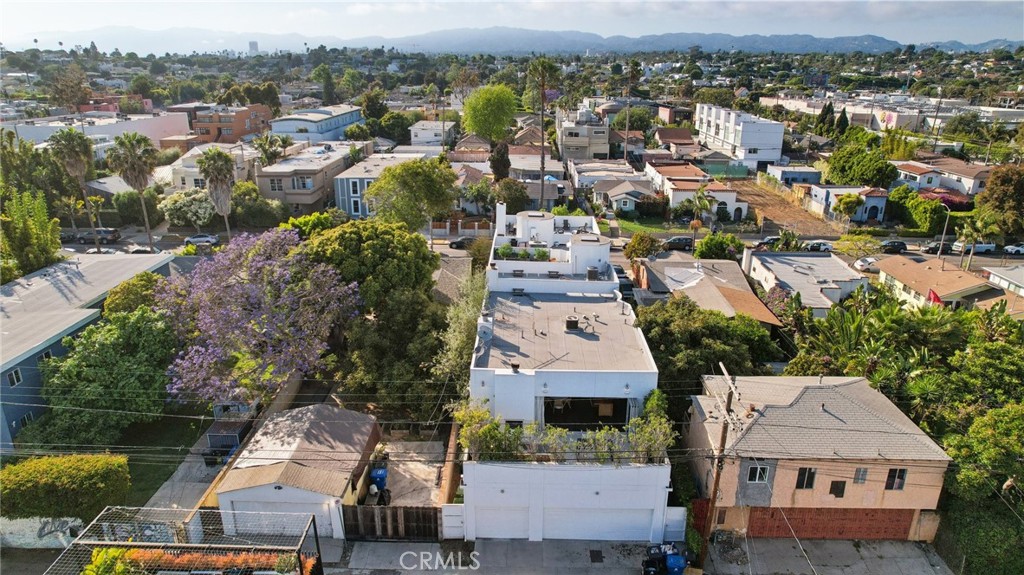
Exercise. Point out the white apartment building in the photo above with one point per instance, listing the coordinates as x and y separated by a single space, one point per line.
185 173
430 133
316 125
749 140
557 345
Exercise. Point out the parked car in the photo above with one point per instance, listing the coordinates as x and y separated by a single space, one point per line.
960 246
107 251
461 243
1016 249
817 246
67 236
893 247
933 247
142 250
680 243
768 242
619 272
105 235
866 265
202 239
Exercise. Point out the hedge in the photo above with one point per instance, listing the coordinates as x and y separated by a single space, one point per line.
78 486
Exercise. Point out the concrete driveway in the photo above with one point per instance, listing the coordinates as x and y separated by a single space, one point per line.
783 557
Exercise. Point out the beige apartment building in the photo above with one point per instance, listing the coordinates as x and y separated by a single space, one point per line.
304 181
815 457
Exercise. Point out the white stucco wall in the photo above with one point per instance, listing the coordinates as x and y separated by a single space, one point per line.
287 499
539 501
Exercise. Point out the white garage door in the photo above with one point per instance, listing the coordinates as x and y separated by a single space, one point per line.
502 523
598 524
261 524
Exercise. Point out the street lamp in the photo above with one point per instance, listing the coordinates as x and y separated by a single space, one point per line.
942 240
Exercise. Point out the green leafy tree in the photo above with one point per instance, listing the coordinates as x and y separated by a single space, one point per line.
357 132
842 124
395 126
639 119
218 169
78 486
191 207
128 205
499 161
374 106
688 342
641 246
29 237
378 255
990 453
70 88
132 294
311 224
967 124
249 209
513 193
116 366
1004 197
458 338
133 157
848 204
488 112
323 76
480 194
719 247
71 208
716 96
413 192
74 149
858 245
854 166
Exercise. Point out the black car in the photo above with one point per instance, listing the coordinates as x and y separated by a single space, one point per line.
893 247
681 243
66 236
461 243
768 242
105 235
933 248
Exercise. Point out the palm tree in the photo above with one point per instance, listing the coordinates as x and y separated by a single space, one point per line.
70 207
98 201
974 231
633 73
285 143
133 157
218 169
543 73
993 132
269 147
701 205
73 149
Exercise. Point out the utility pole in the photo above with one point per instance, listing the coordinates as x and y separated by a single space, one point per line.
719 464
935 121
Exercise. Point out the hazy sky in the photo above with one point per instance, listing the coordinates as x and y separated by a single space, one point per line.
903 21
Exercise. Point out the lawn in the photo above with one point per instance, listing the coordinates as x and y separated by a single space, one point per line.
155 450
653 225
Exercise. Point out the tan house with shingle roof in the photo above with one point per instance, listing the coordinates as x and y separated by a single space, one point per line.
815 458
308 460
913 283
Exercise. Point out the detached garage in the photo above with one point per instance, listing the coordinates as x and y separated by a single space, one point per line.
309 460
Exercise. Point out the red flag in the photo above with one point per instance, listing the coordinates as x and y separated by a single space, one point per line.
934 297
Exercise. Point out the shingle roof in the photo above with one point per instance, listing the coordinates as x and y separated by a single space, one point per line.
317 448
916 169
929 275
673 136
815 418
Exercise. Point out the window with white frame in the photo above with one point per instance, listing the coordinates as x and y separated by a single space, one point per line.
757 473
198 182
354 185
302 182
860 475
14 377
356 207
45 355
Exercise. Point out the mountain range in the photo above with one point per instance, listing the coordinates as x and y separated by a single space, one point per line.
495 40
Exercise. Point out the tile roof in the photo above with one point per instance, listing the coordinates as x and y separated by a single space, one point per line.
916 169
673 136
317 448
929 275
680 171
814 418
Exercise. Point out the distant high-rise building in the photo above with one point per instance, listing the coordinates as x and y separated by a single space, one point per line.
254 48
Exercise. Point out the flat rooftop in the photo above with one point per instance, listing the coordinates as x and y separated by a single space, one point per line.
372 166
530 329
46 305
311 158
317 114
808 273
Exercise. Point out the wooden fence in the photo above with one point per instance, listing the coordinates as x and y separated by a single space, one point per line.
383 522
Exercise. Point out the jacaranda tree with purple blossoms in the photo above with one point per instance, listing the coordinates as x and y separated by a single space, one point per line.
252 315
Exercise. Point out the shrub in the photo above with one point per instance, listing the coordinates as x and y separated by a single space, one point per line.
506 252
129 209
541 254
77 486
653 206
524 254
